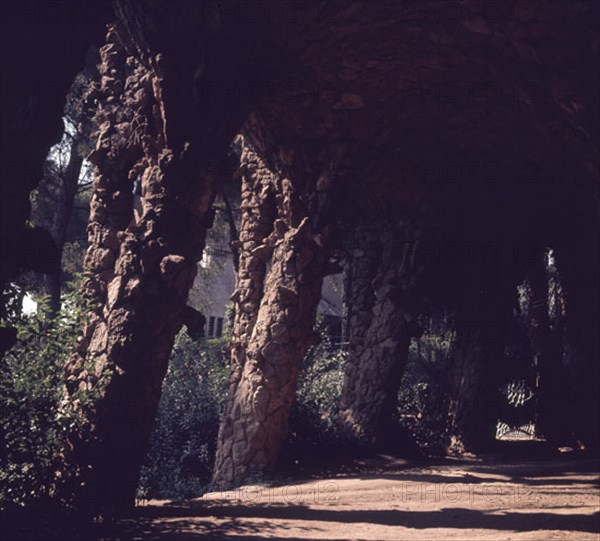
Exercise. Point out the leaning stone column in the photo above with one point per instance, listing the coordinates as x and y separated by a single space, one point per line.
578 267
554 388
275 314
258 214
138 270
382 322
477 356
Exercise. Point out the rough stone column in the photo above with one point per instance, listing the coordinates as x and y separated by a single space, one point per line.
382 322
578 269
275 314
138 270
478 353
553 387
360 294
258 213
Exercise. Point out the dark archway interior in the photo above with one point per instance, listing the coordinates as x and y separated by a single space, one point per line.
450 144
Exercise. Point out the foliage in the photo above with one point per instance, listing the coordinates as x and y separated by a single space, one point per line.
12 303
423 391
312 424
183 443
31 391
60 202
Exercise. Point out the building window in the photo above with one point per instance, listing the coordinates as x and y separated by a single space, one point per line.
206 259
219 327
211 327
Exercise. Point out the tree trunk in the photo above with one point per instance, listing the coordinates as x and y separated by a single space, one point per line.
382 322
60 215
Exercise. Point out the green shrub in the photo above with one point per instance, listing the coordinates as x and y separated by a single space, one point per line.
423 392
312 424
31 390
182 447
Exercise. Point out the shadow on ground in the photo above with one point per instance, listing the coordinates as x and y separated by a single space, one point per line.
558 498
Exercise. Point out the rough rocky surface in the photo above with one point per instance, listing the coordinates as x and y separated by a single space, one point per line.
382 321
275 314
554 402
477 364
138 270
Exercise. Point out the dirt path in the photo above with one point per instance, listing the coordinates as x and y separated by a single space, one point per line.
387 499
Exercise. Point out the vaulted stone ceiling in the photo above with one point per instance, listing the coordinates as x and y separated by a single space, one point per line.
462 112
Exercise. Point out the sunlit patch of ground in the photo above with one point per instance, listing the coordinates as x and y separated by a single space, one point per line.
386 499
376 499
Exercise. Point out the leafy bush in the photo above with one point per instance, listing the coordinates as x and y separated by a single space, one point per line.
31 388
312 424
183 443
34 422
423 392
